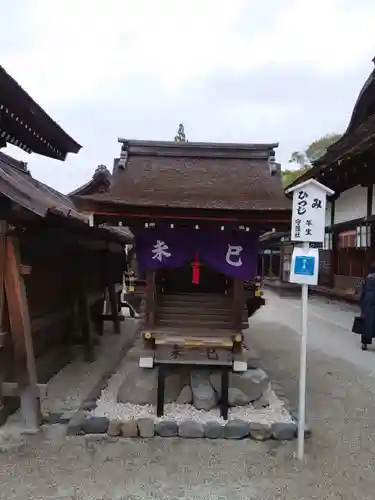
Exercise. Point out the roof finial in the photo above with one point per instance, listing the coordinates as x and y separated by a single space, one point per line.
101 169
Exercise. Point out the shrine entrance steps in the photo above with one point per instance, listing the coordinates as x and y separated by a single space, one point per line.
201 311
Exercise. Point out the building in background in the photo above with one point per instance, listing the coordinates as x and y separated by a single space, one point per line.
54 267
348 167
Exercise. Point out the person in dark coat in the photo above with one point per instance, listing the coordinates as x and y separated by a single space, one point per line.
367 303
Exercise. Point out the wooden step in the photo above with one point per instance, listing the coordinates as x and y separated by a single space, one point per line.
192 332
166 309
194 317
200 314
193 323
196 305
206 298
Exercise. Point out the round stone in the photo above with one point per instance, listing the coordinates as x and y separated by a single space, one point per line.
236 429
166 428
190 429
213 430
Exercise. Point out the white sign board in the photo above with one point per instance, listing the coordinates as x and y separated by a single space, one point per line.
305 266
308 225
309 208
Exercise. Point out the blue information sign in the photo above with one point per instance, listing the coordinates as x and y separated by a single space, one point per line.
304 265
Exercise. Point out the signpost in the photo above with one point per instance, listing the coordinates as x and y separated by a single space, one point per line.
308 225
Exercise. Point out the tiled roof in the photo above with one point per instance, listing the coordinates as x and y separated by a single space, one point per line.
198 175
25 124
20 187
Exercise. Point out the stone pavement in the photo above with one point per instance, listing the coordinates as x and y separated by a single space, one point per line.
340 457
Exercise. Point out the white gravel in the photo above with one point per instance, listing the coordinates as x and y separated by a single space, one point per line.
110 408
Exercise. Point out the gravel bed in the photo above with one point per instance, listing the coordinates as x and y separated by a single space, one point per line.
107 406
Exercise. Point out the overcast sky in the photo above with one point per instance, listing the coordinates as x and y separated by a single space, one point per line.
286 71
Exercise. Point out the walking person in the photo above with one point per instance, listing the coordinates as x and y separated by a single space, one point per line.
367 303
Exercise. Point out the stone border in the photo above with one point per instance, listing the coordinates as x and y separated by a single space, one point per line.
278 390
83 424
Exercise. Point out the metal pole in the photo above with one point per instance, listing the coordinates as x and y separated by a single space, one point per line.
302 369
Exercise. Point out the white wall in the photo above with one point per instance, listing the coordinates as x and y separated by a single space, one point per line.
328 213
351 204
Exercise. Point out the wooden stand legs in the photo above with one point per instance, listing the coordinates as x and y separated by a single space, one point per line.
224 393
160 396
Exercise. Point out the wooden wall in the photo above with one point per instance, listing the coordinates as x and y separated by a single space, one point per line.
63 267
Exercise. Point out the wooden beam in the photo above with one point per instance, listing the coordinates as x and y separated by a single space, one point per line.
12 389
238 304
21 335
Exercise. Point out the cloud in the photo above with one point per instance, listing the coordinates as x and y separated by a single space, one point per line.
231 70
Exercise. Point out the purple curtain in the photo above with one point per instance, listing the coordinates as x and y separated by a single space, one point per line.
158 248
234 254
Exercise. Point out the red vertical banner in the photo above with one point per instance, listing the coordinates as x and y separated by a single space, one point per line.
195 266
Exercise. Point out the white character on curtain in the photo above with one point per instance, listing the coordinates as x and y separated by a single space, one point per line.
160 250
233 257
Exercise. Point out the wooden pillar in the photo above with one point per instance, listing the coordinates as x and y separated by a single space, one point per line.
263 267
150 299
369 252
238 304
84 313
114 308
3 229
281 267
270 273
334 249
111 292
334 257
21 335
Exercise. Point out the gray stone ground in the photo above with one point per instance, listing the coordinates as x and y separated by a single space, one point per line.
340 457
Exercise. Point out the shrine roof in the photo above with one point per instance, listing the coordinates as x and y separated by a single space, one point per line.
18 186
196 175
99 182
25 124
